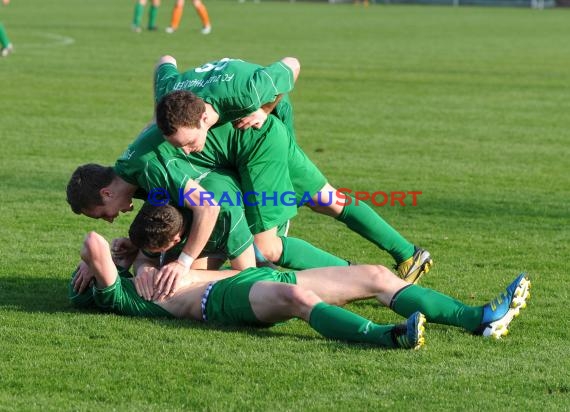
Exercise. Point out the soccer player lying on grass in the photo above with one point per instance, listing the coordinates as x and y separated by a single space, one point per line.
263 296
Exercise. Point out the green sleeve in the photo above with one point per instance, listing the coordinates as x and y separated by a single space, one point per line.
164 78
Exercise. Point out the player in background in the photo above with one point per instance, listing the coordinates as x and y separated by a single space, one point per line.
7 46
177 16
152 14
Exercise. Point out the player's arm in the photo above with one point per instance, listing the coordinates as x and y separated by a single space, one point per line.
97 255
205 214
165 71
258 117
165 60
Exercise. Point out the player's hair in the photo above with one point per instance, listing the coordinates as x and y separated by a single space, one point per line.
83 189
155 226
179 109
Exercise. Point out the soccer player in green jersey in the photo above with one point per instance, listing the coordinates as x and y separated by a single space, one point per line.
238 91
152 164
263 297
98 192
268 160
152 14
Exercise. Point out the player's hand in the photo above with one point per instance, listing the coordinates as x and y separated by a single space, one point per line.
82 279
123 252
168 280
255 120
144 282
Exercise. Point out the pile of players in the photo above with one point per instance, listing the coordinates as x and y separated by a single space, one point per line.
225 130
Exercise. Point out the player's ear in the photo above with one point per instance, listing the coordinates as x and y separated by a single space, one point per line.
204 117
105 193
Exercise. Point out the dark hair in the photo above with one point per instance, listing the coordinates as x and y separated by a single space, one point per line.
155 226
179 109
83 189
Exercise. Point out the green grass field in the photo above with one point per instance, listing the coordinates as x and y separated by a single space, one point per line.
468 105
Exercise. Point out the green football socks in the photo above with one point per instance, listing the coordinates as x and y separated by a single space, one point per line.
334 322
4 40
152 17
298 254
368 224
437 307
139 9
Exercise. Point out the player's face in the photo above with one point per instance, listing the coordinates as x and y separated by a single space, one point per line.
173 242
113 203
189 139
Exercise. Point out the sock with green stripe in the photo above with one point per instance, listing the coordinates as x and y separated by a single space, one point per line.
298 254
437 307
334 322
368 224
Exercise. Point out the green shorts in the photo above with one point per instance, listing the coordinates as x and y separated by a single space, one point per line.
275 175
228 300
231 234
270 163
122 298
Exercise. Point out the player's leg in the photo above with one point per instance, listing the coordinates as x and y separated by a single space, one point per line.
176 16
273 302
202 12
243 260
341 285
263 168
97 254
293 253
491 319
152 14
314 191
360 218
138 13
5 42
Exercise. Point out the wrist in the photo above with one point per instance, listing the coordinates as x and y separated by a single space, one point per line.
185 260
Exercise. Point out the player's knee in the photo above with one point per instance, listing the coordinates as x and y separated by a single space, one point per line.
271 249
379 275
301 299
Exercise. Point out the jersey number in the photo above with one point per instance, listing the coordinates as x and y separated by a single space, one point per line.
219 65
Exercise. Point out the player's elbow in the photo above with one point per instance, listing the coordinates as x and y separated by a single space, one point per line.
92 243
166 59
294 64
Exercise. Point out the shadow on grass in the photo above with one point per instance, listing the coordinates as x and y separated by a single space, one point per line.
34 294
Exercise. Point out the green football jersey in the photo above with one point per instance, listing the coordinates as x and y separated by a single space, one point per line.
154 165
230 236
162 172
234 88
